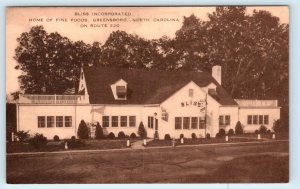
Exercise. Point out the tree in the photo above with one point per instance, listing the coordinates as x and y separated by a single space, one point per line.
99 131
83 132
238 128
142 131
22 135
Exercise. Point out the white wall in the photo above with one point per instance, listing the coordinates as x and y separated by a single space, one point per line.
233 112
274 114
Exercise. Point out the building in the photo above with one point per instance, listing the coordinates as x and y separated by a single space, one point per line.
166 102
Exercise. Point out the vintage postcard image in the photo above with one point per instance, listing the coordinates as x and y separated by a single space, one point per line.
147 94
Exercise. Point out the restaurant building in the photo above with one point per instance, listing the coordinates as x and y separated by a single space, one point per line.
166 102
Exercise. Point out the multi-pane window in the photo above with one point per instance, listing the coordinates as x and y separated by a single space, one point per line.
105 121
255 119
224 120
132 121
201 122
114 121
59 121
191 92
227 119
68 121
150 122
194 124
123 121
249 120
258 119
266 119
41 122
178 122
186 122
50 121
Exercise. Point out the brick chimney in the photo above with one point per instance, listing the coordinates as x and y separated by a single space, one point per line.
217 73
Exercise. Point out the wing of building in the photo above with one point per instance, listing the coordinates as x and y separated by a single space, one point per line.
165 102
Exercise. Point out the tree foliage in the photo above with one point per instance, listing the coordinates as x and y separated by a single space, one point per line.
83 131
99 132
142 131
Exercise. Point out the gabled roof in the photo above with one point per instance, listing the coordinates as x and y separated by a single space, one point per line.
145 86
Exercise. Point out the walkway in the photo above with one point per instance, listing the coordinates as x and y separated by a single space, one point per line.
139 144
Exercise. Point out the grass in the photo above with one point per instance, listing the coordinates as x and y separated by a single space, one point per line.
260 163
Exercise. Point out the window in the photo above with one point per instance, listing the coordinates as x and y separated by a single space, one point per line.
191 92
41 122
132 121
121 91
186 122
105 121
123 121
249 120
50 121
221 120
59 121
150 122
227 120
68 121
266 119
164 115
261 119
255 119
201 122
178 122
194 124
114 121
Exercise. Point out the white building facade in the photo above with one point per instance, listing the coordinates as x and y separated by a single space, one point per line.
174 103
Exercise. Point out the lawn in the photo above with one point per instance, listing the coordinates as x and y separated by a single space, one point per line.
261 163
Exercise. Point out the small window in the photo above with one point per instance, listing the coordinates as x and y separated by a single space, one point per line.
194 124
121 91
114 121
123 121
178 123
255 119
41 122
249 120
68 121
59 121
201 122
221 120
186 122
150 122
50 121
191 92
266 119
132 121
227 120
261 119
105 121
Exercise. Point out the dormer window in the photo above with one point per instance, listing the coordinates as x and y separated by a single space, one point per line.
119 90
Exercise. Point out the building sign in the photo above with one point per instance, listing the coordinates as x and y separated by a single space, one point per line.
200 103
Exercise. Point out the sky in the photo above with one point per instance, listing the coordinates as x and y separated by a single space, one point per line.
75 23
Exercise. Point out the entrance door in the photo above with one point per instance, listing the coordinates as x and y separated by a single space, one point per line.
156 129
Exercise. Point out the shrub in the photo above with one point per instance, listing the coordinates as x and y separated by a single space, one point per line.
181 136
207 136
73 137
278 126
75 143
218 135
111 135
230 132
194 136
38 141
269 131
83 131
222 132
238 128
56 138
99 132
262 129
142 131
133 135
121 134
167 137
22 135
256 131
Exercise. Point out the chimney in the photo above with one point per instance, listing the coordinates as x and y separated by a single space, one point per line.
217 73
